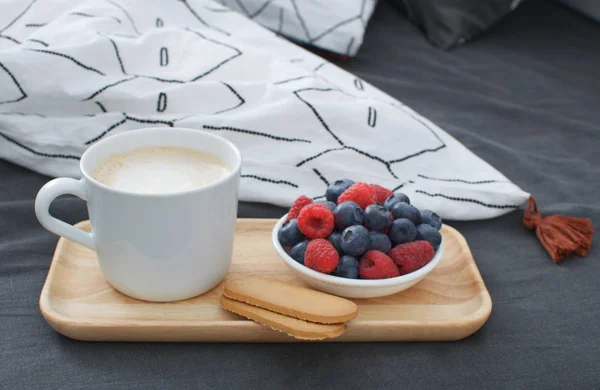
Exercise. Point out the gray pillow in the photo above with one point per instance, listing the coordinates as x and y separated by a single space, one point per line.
450 23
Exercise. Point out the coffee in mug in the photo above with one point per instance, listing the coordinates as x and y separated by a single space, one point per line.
160 170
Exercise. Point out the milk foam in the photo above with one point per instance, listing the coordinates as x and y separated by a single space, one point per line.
160 170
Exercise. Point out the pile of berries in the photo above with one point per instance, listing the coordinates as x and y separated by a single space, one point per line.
361 231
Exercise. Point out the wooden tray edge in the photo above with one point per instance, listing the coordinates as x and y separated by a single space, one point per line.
480 317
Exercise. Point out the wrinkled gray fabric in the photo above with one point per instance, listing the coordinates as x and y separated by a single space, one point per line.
522 97
589 8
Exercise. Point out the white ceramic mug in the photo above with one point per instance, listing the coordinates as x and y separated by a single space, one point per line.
154 247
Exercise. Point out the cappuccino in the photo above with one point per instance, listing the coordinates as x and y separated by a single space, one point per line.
160 170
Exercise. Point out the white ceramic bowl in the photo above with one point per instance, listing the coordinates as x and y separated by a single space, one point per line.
353 288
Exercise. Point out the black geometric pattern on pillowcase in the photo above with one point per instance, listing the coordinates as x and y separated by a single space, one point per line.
372 116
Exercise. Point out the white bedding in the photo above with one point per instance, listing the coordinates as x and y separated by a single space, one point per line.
73 72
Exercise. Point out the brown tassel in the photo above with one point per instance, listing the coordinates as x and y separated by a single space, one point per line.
559 234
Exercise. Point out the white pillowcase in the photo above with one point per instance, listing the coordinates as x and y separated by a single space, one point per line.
73 72
333 25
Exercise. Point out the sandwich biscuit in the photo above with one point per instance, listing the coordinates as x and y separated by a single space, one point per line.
291 300
294 327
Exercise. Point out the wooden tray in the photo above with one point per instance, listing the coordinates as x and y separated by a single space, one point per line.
450 304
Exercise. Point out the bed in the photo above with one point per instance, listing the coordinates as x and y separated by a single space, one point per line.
523 97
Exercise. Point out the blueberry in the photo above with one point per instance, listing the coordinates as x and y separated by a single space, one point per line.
376 217
347 214
298 250
330 205
380 242
395 198
404 210
347 267
402 231
355 240
289 234
430 218
335 239
429 233
335 189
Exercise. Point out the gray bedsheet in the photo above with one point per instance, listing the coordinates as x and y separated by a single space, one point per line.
525 98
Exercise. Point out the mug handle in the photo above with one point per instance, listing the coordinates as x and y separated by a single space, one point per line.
47 194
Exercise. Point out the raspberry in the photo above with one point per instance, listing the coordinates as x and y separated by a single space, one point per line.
361 193
316 221
377 265
321 256
412 256
381 193
297 206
